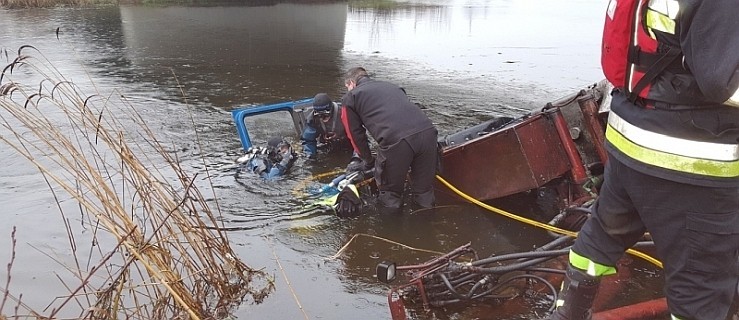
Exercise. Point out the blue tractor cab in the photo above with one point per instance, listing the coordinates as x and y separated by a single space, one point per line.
293 108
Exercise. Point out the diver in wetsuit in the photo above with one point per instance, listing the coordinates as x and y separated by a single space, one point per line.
323 125
273 161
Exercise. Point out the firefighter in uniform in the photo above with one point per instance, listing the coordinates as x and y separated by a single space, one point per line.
405 135
673 167
323 125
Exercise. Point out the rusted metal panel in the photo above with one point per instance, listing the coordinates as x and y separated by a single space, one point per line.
519 157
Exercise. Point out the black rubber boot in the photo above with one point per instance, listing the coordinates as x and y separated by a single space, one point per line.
389 202
577 295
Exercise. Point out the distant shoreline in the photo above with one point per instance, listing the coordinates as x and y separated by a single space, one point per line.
27 4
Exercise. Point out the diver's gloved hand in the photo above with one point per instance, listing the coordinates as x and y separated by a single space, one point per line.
348 203
354 165
285 160
287 157
250 153
358 164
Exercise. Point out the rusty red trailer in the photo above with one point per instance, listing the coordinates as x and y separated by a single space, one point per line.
556 146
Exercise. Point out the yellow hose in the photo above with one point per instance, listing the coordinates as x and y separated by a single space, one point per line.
297 190
535 223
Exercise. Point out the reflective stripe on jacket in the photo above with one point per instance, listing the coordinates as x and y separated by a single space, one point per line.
696 157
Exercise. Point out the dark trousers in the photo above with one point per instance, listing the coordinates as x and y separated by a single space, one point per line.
695 231
416 152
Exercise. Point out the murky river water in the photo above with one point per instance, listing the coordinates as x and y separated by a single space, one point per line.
466 60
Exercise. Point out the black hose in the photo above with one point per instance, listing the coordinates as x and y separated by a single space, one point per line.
546 270
512 267
482 282
450 287
519 255
531 276
560 240
459 280
489 292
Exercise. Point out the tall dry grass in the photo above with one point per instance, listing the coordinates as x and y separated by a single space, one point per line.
20 4
156 252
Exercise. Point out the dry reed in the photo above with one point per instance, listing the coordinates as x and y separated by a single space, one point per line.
159 257
20 4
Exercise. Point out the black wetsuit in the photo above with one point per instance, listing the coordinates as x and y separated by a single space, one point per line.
405 135
331 133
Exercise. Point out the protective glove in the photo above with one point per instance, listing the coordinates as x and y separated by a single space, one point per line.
360 165
245 158
250 153
287 156
327 137
355 165
348 204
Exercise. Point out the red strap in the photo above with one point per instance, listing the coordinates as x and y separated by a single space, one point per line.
347 128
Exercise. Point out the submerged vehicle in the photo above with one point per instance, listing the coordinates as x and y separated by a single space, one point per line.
556 153
556 150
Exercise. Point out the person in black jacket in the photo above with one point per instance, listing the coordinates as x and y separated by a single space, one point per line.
405 135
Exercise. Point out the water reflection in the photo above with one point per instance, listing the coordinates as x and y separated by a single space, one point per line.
185 68
509 41
238 55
